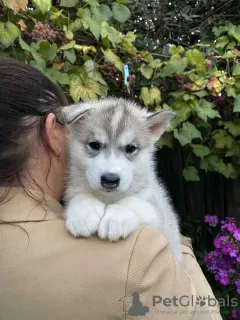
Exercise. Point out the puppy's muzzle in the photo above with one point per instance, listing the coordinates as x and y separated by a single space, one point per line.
110 181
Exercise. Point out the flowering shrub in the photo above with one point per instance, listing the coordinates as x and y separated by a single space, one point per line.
221 264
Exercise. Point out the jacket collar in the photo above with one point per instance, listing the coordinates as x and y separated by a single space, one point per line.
21 205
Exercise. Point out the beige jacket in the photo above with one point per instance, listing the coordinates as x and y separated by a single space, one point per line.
45 273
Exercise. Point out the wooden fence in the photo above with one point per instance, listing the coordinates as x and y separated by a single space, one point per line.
213 194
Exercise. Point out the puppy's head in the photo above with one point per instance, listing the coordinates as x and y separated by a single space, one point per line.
112 142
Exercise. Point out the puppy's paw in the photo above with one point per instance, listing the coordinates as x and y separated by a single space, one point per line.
118 222
83 218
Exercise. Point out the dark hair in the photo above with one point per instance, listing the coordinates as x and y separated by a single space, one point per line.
26 98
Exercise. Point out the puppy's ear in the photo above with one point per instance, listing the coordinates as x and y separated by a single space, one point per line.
74 112
158 122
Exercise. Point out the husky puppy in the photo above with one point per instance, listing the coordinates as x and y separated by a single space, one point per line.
111 158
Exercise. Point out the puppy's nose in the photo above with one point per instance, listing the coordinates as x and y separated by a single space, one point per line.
110 180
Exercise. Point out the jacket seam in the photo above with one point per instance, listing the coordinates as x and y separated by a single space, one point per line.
131 255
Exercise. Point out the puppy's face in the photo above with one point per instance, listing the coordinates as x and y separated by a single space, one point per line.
112 145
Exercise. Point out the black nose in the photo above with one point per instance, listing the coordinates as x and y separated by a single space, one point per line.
110 180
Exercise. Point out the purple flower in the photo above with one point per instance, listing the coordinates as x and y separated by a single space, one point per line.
234 314
238 259
229 248
218 242
238 285
237 234
211 220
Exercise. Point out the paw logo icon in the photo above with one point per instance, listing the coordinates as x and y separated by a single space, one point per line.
201 301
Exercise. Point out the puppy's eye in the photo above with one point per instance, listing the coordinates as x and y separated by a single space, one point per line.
94 145
130 148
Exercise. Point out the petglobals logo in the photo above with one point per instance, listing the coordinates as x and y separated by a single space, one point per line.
186 301
133 306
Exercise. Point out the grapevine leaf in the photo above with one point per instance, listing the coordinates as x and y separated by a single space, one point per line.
233 128
90 68
145 96
155 95
110 32
191 174
120 12
83 88
222 42
236 70
205 110
110 56
47 51
187 133
68 3
222 139
200 150
68 46
16 5
58 77
8 33
103 12
146 71
70 55
175 66
130 37
34 53
43 5
237 104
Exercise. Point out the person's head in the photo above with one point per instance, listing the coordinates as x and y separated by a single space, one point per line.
33 144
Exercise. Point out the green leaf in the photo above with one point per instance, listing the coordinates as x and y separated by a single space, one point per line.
70 55
8 33
187 133
67 46
83 88
205 110
195 57
58 77
103 12
43 5
145 96
90 67
47 51
222 42
130 37
200 150
34 53
231 92
175 66
110 32
110 56
92 2
146 71
156 63
234 151
236 69
226 169
201 94
222 139
94 25
237 104
75 25
175 51
155 95
68 3
191 174
120 12
233 128
165 140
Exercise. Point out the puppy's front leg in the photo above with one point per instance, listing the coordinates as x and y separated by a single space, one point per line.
83 215
126 216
